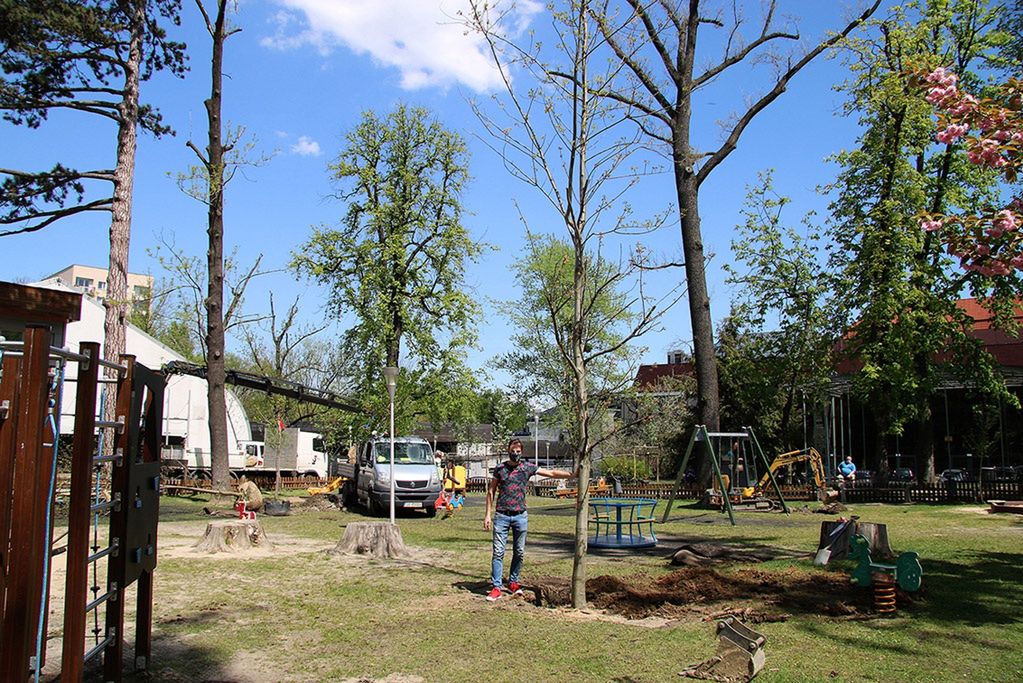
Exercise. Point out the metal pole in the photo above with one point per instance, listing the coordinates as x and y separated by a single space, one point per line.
391 378
948 440
536 438
392 460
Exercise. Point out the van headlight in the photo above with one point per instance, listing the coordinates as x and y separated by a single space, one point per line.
384 478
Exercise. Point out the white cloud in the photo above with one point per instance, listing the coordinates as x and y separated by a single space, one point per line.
424 39
306 147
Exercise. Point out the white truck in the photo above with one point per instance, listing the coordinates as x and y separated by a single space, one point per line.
416 480
298 453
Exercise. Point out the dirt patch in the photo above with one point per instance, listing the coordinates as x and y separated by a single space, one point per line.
758 595
696 554
321 502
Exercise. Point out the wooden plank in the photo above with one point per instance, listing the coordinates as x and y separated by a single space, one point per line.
10 385
29 539
38 304
79 518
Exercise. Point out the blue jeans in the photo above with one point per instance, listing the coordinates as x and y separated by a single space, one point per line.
518 525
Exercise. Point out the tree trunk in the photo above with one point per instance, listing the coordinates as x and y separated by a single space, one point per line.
580 317
215 372
117 298
377 539
232 536
708 404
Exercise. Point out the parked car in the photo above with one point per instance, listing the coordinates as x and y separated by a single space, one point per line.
999 473
901 474
956 474
865 477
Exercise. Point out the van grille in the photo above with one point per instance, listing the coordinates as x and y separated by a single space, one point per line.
411 484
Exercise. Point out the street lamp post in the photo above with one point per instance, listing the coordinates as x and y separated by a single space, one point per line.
536 438
391 377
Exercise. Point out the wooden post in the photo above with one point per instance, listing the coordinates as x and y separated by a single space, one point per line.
29 543
83 448
113 654
10 388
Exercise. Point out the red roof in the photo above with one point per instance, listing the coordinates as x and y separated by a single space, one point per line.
1006 349
651 376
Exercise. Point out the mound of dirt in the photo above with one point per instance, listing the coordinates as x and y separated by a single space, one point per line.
762 596
318 503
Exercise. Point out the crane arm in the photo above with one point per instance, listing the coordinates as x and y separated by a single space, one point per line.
271 385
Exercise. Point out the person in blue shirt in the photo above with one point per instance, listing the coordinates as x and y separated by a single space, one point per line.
847 470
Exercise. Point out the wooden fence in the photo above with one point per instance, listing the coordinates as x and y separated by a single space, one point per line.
265 482
951 492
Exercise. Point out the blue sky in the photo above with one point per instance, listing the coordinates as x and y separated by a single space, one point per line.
300 74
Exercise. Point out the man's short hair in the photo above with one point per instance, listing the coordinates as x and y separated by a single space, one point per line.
513 442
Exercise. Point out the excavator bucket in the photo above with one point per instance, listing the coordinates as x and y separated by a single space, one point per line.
740 654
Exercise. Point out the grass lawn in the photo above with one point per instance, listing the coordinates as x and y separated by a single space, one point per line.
300 615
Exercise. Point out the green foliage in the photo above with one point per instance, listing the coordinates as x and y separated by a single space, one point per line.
71 54
775 348
543 317
395 267
626 467
897 283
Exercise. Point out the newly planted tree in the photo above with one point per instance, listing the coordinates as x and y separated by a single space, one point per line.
560 138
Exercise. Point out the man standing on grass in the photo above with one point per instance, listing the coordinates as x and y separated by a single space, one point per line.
508 490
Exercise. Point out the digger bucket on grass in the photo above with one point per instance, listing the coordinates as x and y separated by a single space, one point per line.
741 650
740 654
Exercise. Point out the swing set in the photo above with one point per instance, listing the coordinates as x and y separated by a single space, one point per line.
733 457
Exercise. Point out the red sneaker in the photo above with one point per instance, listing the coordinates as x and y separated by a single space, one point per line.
515 587
494 594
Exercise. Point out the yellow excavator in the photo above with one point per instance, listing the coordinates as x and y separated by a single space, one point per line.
809 455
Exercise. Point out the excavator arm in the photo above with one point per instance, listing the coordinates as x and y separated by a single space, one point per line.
792 457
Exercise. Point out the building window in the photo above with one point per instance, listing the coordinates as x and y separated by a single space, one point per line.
83 282
102 284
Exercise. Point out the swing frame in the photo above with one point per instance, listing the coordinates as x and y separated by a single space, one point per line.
700 434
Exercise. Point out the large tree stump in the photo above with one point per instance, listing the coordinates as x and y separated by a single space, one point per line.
233 536
378 539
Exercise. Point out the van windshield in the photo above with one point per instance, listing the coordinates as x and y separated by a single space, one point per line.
404 453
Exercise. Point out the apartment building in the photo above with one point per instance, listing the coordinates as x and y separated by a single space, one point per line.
92 282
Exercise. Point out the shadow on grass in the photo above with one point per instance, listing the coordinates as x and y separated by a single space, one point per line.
982 589
172 659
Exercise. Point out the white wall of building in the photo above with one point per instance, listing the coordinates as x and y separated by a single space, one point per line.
185 406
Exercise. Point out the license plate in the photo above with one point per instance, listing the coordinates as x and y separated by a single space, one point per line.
412 505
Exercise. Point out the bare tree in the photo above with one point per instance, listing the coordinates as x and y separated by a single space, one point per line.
290 351
559 137
656 42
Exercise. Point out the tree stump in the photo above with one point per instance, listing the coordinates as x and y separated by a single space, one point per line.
234 536
377 539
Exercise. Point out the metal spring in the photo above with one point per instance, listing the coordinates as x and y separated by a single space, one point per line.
884 594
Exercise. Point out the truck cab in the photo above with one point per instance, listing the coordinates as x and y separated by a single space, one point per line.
416 482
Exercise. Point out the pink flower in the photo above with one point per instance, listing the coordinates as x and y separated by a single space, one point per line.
937 95
1005 221
931 225
983 250
1017 261
952 133
942 77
